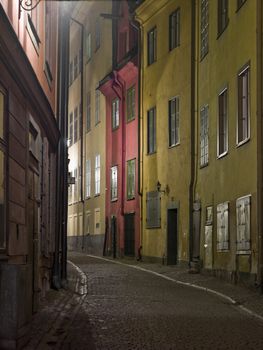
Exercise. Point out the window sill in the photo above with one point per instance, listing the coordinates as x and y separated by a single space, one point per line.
222 155
243 252
130 199
223 251
175 145
241 143
150 64
204 165
151 153
87 131
97 195
114 200
222 30
172 48
239 7
130 120
116 128
97 123
87 198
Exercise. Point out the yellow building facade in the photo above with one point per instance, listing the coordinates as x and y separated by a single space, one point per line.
165 132
228 137
86 211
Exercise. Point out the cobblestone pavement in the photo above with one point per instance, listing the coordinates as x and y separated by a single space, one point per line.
117 306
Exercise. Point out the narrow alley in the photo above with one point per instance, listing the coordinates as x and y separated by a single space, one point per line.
113 305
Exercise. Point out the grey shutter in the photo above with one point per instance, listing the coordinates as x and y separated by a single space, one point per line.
153 218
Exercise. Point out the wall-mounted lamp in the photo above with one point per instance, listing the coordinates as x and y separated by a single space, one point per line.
158 186
27 5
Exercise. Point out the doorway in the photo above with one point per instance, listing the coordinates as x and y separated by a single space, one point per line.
129 234
172 236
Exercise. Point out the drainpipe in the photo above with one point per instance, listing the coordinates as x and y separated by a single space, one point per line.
81 123
192 181
60 265
259 281
136 25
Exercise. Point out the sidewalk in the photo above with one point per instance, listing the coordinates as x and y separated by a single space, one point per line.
250 300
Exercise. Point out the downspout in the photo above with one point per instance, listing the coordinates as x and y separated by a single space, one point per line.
139 22
60 265
192 132
136 25
259 146
82 126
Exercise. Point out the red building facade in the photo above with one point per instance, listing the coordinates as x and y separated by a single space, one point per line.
120 88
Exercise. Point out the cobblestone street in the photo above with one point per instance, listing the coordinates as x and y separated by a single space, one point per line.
120 306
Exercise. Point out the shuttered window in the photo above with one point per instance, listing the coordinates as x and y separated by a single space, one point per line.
97 174
222 135
243 223
153 209
222 242
88 178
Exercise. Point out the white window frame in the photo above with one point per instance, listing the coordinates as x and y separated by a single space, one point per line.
88 178
114 183
97 174
243 222
223 227
244 140
204 139
225 123
176 121
115 113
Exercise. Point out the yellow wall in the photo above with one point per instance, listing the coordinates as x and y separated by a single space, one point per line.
234 175
168 77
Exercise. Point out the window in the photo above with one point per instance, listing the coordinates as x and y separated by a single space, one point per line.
222 226
243 106
88 46
3 146
131 103
243 223
80 61
222 137
70 73
88 178
79 183
97 107
75 67
153 209
97 221
88 121
70 189
131 179
204 27
174 121
75 186
152 45
97 34
115 113
70 129
80 120
222 15
114 183
174 29
87 222
48 42
97 174
240 3
204 149
75 135
33 25
151 130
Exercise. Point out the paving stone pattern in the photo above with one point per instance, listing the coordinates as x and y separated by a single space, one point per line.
125 308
